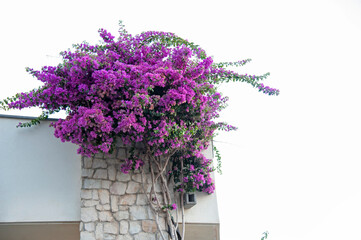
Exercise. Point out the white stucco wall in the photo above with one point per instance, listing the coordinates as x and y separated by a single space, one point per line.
40 177
206 209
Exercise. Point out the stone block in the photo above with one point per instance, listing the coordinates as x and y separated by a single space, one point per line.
95 195
122 177
87 236
81 226
135 227
86 194
137 177
89 227
162 223
114 201
101 174
123 208
121 215
105 216
142 199
148 178
150 212
100 207
90 203
124 237
144 236
99 231
113 161
118 188
88 214
86 172
112 172
104 196
127 199
87 162
149 226
121 153
106 184
123 227
109 236
111 227
133 187
138 213
157 187
99 163
91 184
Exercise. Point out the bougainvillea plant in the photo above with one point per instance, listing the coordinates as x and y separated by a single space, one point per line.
154 89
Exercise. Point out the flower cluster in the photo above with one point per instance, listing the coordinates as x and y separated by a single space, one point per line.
170 206
131 164
267 90
154 88
195 174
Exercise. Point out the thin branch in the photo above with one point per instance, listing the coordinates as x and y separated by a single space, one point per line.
156 214
182 202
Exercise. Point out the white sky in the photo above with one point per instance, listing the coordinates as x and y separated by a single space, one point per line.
293 167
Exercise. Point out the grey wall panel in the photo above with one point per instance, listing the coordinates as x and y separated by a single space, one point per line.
40 177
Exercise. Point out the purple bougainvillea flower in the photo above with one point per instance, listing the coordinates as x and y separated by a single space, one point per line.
154 88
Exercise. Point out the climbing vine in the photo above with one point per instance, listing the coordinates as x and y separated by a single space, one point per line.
153 89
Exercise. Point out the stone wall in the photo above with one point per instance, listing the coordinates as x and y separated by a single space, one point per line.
113 205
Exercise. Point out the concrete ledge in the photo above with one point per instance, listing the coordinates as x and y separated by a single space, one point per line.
40 231
201 231
25 117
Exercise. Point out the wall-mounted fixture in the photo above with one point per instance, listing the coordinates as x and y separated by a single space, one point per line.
189 200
